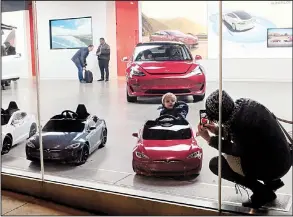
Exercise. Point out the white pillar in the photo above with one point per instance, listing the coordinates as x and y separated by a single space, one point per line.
220 107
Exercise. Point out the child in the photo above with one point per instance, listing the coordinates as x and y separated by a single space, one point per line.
170 106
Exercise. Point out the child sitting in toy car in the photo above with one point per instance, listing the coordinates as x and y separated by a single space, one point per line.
170 106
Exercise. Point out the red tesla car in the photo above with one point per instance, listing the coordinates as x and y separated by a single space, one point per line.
160 67
175 35
167 147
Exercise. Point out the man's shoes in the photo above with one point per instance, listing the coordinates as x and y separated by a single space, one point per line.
259 199
101 79
82 81
107 79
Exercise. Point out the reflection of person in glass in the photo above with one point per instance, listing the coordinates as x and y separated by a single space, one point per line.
254 146
9 49
79 60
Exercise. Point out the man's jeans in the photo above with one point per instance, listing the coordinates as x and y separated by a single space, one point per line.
104 68
80 71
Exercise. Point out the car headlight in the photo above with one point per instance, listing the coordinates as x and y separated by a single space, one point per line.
196 154
196 71
136 72
30 144
73 146
141 155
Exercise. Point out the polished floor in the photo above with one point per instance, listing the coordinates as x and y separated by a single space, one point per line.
112 164
14 204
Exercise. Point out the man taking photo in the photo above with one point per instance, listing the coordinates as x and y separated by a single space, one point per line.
79 60
103 54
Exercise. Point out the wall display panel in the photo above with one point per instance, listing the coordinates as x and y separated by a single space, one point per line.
71 33
245 28
279 37
184 21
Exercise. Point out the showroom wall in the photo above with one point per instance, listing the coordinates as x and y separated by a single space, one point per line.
20 20
57 64
246 54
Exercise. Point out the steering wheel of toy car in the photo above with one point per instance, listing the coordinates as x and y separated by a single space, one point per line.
65 113
166 116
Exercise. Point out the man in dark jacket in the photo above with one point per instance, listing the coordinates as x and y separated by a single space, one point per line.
79 60
254 146
103 53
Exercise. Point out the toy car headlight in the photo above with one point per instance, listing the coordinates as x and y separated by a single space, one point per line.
196 71
136 72
196 154
141 155
30 144
73 146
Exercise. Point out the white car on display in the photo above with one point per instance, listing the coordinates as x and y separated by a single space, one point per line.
10 59
17 126
239 20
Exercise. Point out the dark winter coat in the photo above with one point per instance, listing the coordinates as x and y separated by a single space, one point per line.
80 56
105 52
258 140
180 109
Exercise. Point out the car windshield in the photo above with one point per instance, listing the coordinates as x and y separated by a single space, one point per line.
64 126
161 52
242 15
175 132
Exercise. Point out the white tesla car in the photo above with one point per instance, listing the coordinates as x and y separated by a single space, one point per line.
17 126
239 20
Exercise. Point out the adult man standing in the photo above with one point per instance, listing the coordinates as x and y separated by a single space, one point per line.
79 60
103 53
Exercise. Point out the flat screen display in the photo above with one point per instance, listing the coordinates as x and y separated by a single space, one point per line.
279 37
72 33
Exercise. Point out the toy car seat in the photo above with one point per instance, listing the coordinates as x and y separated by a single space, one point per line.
81 111
12 107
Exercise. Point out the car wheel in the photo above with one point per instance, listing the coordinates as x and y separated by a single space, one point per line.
104 138
234 27
197 98
7 144
130 98
83 156
33 130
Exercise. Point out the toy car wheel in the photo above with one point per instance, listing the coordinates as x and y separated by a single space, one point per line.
33 130
197 98
104 137
7 144
83 156
130 98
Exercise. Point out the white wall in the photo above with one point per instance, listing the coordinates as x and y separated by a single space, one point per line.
279 70
20 20
57 64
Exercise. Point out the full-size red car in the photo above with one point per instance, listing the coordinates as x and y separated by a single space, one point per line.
167 147
175 35
156 68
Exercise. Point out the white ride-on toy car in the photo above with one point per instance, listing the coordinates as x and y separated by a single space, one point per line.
17 126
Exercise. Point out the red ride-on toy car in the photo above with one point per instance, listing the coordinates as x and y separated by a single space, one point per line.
167 147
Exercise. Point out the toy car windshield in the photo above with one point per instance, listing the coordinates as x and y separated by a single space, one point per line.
167 127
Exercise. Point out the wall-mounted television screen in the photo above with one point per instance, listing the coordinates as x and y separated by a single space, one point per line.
72 33
279 37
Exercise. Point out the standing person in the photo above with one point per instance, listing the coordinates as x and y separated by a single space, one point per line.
9 49
103 53
254 146
79 59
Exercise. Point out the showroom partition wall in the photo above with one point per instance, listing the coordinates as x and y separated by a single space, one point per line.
84 135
